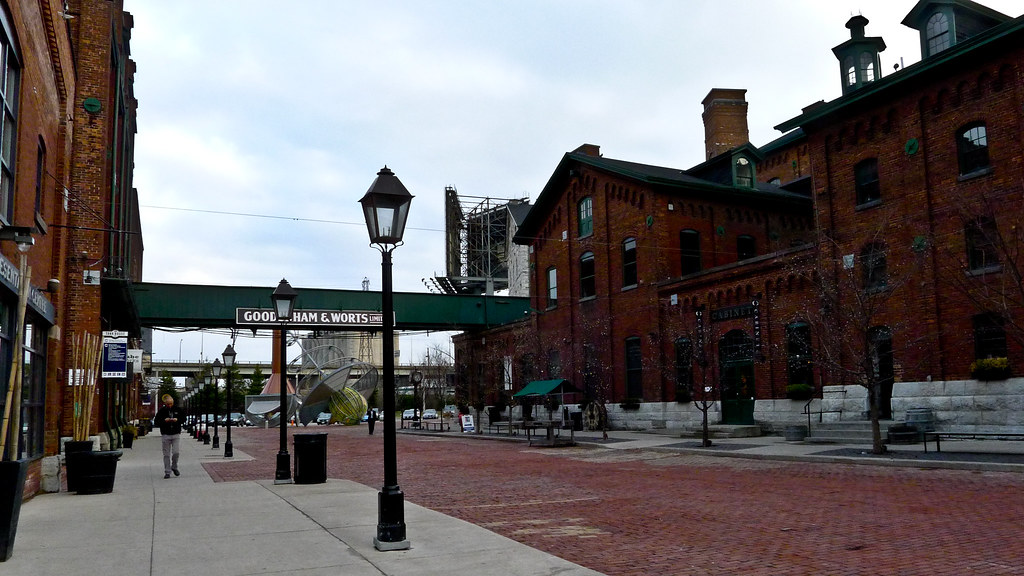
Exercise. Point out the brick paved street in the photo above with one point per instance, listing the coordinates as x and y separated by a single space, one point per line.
644 512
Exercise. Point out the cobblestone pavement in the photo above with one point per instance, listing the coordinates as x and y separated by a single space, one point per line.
646 512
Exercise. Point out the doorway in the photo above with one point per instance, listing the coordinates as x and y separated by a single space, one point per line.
736 370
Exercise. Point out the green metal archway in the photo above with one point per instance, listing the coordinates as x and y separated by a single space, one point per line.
186 305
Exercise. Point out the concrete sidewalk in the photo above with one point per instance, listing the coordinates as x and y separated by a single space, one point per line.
192 525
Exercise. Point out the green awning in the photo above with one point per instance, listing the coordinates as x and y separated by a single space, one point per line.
545 387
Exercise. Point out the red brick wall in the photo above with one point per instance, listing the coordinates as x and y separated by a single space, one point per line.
924 198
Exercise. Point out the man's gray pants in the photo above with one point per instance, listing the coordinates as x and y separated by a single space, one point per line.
171 444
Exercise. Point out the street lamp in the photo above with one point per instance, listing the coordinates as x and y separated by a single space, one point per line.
386 208
217 367
201 417
284 304
206 435
229 362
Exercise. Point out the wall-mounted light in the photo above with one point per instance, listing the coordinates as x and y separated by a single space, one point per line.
21 235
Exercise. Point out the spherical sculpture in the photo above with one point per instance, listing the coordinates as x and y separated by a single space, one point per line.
348 406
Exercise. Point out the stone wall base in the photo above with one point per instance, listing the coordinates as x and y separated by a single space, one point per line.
958 405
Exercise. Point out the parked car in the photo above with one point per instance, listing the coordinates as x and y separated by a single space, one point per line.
450 411
409 414
323 418
429 414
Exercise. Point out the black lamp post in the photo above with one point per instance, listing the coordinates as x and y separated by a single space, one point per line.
284 304
206 433
386 209
229 362
216 368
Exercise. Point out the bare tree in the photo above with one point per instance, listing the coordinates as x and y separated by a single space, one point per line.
984 259
855 312
438 363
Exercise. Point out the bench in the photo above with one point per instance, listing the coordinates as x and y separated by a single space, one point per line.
499 426
936 436
439 425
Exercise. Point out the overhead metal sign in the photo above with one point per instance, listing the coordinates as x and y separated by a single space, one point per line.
262 317
115 355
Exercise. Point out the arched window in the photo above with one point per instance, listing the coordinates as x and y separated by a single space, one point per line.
867 67
585 213
634 368
684 369
873 267
972 148
587 283
746 247
629 277
689 250
865 175
851 71
744 173
798 348
989 336
982 252
937 33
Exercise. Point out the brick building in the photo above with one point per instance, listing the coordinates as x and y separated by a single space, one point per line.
66 184
873 247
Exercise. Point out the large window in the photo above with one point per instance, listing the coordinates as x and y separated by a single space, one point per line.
585 213
552 287
873 267
865 175
989 336
587 281
634 368
9 76
33 388
629 277
982 254
798 350
684 369
746 247
937 33
689 249
972 148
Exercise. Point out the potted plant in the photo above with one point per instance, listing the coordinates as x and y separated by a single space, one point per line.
128 435
88 471
799 391
991 369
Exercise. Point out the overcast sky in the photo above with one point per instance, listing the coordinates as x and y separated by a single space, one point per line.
259 129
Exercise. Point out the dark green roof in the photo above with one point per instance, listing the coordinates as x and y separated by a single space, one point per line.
1009 34
664 180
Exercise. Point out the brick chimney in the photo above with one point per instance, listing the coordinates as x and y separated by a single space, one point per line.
588 149
725 120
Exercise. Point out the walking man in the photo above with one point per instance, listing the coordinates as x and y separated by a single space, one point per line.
169 419
371 418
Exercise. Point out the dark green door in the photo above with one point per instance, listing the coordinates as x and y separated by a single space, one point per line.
736 370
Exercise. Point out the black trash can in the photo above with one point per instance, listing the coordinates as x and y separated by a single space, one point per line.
311 458
577 421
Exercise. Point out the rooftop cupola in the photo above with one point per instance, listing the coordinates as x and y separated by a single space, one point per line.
858 57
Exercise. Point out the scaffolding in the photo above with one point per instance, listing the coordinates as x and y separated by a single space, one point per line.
477 240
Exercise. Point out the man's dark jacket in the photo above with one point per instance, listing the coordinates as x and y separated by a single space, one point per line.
169 427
